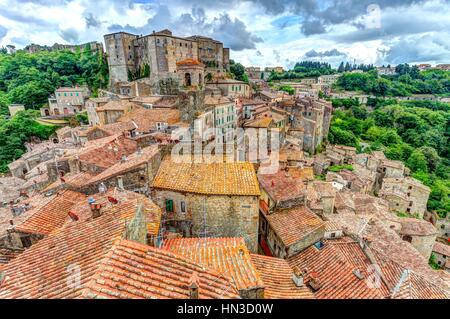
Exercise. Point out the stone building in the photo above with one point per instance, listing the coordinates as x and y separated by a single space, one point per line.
359 180
66 101
111 111
225 119
340 154
441 253
222 253
14 108
91 107
391 169
231 88
160 51
134 173
37 154
314 116
287 232
214 200
93 46
282 190
406 195
420 233
321 197
190 73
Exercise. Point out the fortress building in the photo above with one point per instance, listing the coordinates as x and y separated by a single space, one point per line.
160 51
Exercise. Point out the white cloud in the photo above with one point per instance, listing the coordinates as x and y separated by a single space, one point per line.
419 29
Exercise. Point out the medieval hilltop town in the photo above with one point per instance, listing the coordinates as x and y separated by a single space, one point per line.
106 205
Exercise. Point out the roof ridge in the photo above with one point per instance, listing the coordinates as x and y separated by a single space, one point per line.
422 276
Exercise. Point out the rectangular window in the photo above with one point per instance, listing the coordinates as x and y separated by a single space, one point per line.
183 207
169 205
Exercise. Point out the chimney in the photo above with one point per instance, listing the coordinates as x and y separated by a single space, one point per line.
297 277
194 283
358 274
120 182
95 207
314 281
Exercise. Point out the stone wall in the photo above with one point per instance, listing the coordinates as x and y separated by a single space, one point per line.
424 244
305 242
214 215
120 52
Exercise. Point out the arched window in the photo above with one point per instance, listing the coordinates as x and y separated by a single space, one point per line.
200 78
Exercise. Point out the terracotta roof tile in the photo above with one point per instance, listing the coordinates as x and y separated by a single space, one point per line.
282 185
74 180
133 270
132 161
417 227
52 215
117 106
335 267
6 255
189 62
441 248
146 119
404 283
277 277
109 153
292 225
237 178
42 270
228 256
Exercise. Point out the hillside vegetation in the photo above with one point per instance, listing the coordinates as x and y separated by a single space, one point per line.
416 133
29 79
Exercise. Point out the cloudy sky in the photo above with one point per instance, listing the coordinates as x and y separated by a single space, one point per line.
259 32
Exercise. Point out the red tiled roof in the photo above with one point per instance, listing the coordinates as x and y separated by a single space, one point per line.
133 270
133 161
52 215
228 256
417 227
277 277
146 119
106 156
236 178
75 180
189 62
404 283
115 128
282 185
6 255
334 266
441 248
117 106
42 270
292 225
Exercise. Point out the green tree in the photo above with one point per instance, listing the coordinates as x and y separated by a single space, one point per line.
417 162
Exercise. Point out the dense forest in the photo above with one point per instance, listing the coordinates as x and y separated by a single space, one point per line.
30 78
416 133
407 81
